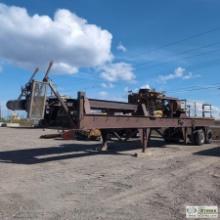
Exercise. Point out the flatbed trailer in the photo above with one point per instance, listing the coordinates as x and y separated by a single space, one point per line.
145 124
114 116
145 111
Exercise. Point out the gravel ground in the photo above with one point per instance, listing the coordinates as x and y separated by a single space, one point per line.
56 179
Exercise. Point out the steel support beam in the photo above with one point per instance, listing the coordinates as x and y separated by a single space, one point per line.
146 133
104 134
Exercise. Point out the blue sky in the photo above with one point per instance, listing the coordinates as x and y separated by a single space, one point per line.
135 47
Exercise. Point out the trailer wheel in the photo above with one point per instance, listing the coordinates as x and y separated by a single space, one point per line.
209 135
199 137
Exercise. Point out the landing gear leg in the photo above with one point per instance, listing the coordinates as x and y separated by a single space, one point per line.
145 136
104 146
185 135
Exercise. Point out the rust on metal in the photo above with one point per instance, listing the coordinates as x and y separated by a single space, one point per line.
144 111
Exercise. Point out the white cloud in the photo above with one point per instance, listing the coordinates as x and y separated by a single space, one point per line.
146 86
121 47
68 39
179 73
103 94
65 68
107 85
117 71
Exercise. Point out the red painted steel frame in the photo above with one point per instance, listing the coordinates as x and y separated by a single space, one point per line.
91 121
107 122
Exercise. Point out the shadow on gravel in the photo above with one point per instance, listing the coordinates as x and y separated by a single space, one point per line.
70 151
215 152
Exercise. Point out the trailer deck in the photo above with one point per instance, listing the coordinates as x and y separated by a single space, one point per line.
145 110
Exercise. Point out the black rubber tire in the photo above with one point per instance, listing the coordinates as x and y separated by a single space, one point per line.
209 136
199 137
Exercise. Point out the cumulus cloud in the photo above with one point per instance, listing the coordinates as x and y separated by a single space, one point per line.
103 94
107 85
179 73
121 47
69 40
117 71
146 86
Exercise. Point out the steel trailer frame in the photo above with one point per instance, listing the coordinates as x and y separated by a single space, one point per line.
111 116
145 124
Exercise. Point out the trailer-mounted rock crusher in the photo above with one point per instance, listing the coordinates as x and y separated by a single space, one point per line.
145 111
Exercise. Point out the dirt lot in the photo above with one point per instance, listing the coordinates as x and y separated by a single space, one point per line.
55 179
